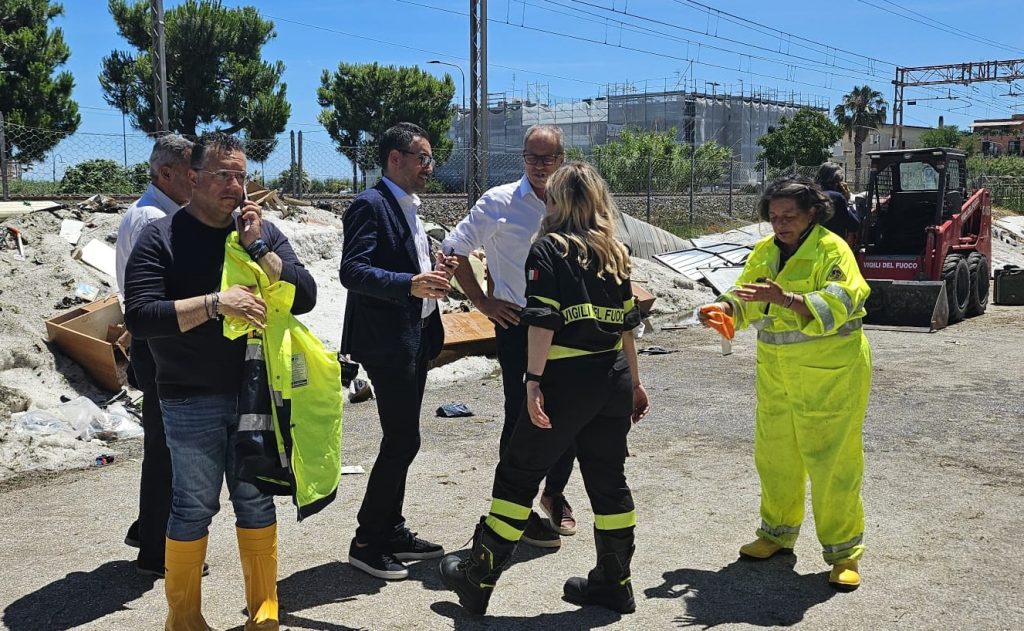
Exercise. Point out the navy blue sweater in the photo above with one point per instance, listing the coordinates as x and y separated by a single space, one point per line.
179 257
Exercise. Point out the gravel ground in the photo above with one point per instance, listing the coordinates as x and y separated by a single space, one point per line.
943 494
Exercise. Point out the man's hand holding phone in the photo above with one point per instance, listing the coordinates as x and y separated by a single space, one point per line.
248 221
446 262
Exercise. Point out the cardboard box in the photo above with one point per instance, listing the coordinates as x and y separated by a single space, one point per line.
94 336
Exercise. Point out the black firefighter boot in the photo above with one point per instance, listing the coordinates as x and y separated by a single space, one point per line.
609 583
474 579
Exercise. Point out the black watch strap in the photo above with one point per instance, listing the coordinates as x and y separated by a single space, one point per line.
531 377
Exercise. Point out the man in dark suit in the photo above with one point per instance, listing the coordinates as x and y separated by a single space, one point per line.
393 328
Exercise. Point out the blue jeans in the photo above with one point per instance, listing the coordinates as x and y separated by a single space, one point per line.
200 436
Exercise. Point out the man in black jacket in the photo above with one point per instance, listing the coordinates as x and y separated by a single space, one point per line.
393 328
172 300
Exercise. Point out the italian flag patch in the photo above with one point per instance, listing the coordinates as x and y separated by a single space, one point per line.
532 274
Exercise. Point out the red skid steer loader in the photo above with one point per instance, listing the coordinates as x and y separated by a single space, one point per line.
925 247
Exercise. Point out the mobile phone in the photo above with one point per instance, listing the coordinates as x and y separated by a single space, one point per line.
237 213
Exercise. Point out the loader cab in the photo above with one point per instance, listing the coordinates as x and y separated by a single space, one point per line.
909 192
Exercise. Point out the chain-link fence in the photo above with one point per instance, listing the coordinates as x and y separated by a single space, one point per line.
46 163
41 162
1007 190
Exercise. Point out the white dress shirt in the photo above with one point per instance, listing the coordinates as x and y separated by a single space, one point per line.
154 204
503 222
410 204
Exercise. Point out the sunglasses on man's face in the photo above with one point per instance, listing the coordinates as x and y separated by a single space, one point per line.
426 160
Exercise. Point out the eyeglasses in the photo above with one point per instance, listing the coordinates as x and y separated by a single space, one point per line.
532 158
224 176
426 160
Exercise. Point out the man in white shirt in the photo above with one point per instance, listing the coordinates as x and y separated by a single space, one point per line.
504 222
168 191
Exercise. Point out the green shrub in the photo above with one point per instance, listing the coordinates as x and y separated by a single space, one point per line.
104 176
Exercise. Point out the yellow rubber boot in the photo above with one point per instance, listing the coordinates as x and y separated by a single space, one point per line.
183 578
257 548
845 575
761 549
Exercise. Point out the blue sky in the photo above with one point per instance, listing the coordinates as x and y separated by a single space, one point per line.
573 48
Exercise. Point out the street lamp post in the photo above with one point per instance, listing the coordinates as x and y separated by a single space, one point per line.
462 112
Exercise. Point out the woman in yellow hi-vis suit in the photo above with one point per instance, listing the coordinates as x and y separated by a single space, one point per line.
802 291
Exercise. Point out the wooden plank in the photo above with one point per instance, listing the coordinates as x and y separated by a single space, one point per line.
466 328
10 209
644 299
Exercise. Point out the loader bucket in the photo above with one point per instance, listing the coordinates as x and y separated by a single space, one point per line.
908 303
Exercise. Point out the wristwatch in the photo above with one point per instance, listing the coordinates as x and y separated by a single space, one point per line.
531 377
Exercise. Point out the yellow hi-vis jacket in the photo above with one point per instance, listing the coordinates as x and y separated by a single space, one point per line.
823 270
299 369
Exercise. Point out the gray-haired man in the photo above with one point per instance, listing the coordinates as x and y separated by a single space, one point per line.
168 191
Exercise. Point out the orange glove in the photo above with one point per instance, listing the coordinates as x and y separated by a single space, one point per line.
719 321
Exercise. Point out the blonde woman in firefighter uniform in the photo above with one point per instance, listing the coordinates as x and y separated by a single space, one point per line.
582 387
802 291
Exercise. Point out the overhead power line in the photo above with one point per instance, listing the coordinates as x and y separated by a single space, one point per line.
908 14
785 36
421 50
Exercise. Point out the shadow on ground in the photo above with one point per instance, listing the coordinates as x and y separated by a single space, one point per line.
77 599
326 584
761 593
585 618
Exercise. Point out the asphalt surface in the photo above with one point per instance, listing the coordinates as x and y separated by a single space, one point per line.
943 494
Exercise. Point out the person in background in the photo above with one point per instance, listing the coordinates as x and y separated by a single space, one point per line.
582 386
173 300
844 220
168 191
802 290
393 328
504 221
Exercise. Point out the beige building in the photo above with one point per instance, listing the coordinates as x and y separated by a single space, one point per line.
878 139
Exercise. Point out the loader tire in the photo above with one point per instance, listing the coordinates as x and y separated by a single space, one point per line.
958 286
977 301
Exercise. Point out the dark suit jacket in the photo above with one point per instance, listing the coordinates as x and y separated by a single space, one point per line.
382 320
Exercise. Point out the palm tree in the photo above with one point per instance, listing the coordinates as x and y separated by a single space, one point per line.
862 110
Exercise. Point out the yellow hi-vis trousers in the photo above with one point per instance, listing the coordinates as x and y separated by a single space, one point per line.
811 400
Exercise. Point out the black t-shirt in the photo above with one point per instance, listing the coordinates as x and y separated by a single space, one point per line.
179 257
588 314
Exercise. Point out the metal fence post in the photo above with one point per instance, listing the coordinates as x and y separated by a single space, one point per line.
693 160
291 165
299 176
650 182
732 175
3 157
